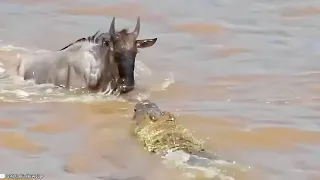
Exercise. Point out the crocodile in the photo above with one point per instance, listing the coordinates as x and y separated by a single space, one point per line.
159 133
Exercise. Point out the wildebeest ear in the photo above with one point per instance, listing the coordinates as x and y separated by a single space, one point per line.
144 43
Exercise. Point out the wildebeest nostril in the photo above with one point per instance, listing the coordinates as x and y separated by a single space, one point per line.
125 88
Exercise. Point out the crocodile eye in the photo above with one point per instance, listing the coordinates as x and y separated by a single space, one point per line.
152 118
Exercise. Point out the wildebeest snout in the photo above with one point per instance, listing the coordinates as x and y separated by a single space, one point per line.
125 88
126 85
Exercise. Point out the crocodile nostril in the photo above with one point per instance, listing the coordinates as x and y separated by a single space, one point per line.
171 117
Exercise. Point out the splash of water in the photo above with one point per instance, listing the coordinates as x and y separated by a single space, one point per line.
197 167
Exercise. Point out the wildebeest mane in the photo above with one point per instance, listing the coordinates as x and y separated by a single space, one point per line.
96 39
92 39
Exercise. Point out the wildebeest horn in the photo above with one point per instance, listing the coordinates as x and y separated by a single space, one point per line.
112 29
92 38
137 29
95 34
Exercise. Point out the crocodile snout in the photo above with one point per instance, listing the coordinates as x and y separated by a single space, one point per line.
144 105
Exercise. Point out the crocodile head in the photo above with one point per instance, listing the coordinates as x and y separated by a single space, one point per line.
158 129
147 112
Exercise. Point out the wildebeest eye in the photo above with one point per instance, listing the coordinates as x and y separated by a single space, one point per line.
105 43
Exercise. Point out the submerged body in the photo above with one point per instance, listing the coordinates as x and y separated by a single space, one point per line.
61 67
82 64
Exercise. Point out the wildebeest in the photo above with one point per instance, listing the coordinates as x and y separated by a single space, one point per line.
97 61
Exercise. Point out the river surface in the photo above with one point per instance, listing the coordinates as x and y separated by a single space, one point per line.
242 74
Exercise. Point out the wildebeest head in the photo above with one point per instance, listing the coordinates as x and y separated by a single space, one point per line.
125 50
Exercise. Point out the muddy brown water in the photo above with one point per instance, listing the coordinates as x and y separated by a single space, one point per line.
243 75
